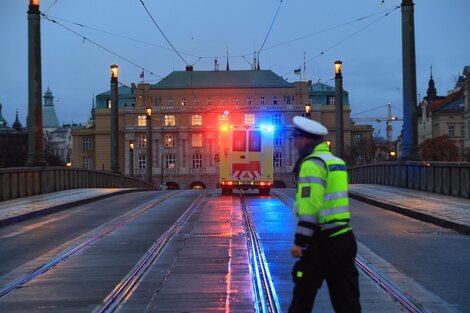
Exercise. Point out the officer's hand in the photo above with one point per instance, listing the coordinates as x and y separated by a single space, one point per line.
296 251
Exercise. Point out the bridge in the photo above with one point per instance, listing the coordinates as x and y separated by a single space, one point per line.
77 240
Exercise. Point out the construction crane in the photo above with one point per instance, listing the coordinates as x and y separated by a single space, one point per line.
388 120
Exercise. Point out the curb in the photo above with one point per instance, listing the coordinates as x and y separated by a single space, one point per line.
61 207
462 228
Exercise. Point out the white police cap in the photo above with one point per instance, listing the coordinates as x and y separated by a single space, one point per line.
309 126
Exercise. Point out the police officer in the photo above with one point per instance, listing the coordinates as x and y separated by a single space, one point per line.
324 240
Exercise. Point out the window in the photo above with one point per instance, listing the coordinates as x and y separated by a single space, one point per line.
239 140
462 131
236 101
209 100
170 120
87 163
255 141
87 143
357 139
223 119
141 120
142 161
222 101
287 99
196 120
196 100
249 119
249 101
141 140
170 101
169 140
277 138
159 100
170 161
277 159
197 160
108 103
451 131
183 101
276 119
196 140
275 100
330 100
261 100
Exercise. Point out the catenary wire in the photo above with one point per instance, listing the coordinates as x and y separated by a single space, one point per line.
46 17
163 34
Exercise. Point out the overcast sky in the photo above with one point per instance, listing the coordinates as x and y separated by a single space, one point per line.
75 69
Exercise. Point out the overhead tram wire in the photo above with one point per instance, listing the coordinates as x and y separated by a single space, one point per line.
48 18
163 34
348 37
270 28
367 111
120 36
327 29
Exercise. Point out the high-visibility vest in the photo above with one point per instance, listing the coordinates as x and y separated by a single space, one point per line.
322 195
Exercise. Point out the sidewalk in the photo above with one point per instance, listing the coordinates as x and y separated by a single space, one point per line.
446 211
12 211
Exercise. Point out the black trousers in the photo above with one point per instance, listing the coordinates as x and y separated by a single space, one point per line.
330 259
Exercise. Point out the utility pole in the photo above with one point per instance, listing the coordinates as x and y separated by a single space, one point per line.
149 164
410 128
35 139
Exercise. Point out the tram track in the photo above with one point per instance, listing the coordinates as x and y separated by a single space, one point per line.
388 286
53 262
126 287
266 299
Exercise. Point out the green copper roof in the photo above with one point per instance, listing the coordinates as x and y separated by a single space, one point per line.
320 92
222 79
122 90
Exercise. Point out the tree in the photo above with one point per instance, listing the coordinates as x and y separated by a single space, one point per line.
439 149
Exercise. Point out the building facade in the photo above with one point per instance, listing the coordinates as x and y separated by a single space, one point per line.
187 110
445 115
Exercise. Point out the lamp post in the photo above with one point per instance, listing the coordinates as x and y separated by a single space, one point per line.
35 139
148 110
410 130
114 120
131 159
339 109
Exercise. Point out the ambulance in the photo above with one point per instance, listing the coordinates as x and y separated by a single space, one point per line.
246 158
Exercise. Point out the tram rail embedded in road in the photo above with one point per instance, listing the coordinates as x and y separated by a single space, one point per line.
126 287
265 296
139 211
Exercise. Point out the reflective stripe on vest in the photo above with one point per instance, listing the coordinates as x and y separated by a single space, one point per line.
312 180
304 231
335 210
335 195
308 218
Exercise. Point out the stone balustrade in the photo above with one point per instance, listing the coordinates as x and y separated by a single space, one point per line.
449 178
22 182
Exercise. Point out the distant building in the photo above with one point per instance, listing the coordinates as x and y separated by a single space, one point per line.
187 109
57 139
443 115
464 82
13 143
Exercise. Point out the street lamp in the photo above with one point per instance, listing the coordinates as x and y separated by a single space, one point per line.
34 123
339 109
308 108
114 120
131 159
148 110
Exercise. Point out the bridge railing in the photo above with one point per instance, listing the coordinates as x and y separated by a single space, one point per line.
22 182
448 178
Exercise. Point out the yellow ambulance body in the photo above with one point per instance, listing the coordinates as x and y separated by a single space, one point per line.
246 158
